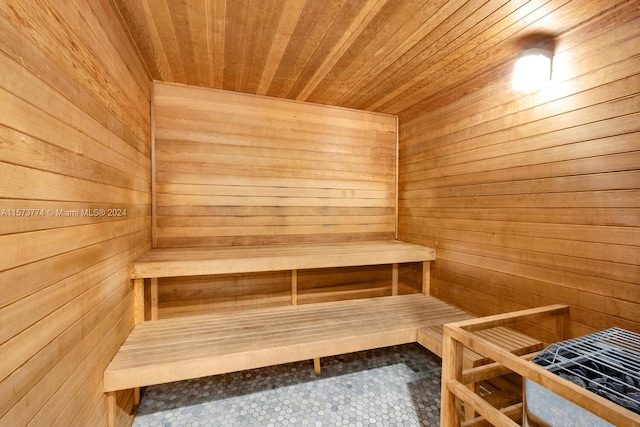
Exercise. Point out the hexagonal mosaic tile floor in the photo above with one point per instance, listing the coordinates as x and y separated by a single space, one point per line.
394 386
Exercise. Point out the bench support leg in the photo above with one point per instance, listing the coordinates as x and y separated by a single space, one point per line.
469 412
154 298
138 295
136 396
562 326
316 367
294 287
426 277
394 279
451 369
111 409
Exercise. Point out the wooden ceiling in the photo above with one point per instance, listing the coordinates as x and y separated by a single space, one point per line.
392 56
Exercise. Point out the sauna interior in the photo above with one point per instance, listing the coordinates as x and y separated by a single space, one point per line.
128 125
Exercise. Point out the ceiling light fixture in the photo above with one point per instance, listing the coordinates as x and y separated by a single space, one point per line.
532 70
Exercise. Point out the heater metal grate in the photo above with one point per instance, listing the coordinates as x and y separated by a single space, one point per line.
606 363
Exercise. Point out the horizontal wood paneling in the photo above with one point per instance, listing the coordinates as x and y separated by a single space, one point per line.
181 296
532 199
207 294
74 140
337 284
234 169
186 296
529 199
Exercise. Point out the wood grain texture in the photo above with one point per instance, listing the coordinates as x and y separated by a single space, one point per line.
388 56
529 199
234 169
74 140
532 199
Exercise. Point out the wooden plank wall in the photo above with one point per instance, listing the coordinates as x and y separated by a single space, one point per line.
187 296
237 169
182 296
532 199
74 155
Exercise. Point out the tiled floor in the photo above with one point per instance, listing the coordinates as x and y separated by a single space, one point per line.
395 386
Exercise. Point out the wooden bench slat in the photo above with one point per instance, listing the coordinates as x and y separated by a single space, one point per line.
209 347
280 317
304 326
512 340
342 312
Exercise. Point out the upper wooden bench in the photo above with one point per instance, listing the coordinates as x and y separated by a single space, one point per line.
159 263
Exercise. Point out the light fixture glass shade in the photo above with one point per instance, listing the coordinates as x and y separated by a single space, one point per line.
532 70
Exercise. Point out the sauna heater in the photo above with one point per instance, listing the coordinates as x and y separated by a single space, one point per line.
606 363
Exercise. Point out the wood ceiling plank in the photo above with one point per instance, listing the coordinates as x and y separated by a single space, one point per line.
412 32
254 18
134 15
216 21
235 30
358 25
309 38
453 32
345 16
554 17
386 56
167 40
351 65
196 17
501 42
286 26
308 34
182 24
503 19
272 12
159 54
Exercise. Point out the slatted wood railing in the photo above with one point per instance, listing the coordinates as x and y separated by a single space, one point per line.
466 334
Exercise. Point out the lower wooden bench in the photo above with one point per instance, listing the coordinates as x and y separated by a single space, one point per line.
191 347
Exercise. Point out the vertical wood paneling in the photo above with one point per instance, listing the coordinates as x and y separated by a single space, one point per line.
234 169
74 157
533 199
